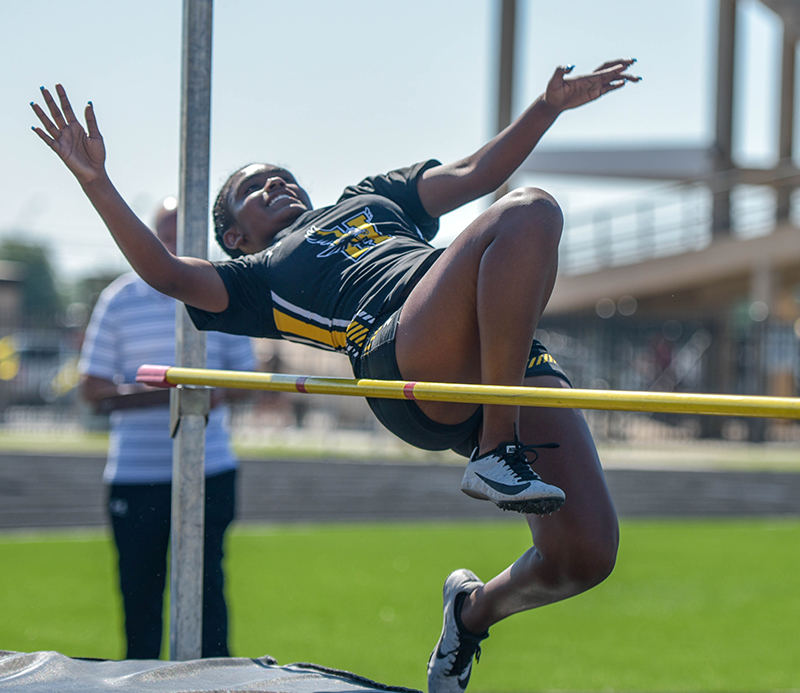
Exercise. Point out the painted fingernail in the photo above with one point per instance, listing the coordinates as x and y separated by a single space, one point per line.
31 103
41 88
570 67
91 104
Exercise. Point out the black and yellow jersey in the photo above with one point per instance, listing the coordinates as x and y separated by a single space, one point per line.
329 275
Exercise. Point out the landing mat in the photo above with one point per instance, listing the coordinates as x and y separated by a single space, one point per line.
50 671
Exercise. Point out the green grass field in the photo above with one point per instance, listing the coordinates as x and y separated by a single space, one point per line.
692 606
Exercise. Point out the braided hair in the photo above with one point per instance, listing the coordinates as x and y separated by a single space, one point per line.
222 214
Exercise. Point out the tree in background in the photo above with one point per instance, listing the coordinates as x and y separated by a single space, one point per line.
41 300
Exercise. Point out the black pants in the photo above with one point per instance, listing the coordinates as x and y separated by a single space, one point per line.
140 519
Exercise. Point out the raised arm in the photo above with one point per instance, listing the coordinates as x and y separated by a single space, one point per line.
447 187
191 280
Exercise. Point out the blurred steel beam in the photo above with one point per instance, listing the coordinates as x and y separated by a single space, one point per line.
723 130
688 164
505 93
656 163
788 11
505 77
786 131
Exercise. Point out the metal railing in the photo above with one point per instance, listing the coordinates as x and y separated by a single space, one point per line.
670 220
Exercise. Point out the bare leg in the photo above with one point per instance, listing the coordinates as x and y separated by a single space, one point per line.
472 319
473 316
573 549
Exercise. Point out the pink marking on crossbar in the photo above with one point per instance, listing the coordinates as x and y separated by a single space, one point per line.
155 376
408 390
301 384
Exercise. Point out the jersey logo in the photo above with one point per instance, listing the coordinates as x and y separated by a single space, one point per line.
353 238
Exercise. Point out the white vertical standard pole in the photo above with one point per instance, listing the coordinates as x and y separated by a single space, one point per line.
190 405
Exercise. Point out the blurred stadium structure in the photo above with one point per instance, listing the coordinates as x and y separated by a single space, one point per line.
697 286
693 287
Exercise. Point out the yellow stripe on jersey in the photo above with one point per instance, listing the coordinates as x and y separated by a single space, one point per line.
335 339
540 359
357 333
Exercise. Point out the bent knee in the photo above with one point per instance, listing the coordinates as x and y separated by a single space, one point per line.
539 212
592 567
582 567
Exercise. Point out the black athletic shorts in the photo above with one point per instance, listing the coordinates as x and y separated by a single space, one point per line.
404 418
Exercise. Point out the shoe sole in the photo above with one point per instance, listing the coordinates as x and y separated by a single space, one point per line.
532 506
538 506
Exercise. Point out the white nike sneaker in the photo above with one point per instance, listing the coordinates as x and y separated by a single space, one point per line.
450 663
504 476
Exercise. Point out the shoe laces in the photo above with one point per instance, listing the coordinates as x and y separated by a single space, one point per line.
468 647
516 459
469 644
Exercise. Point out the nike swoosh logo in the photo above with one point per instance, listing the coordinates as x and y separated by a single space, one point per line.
463 678
504 488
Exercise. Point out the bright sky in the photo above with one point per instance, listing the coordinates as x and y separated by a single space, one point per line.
339 90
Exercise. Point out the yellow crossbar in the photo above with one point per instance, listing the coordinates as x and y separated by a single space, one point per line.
610 400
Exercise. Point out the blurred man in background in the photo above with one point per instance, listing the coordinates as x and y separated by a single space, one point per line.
133 324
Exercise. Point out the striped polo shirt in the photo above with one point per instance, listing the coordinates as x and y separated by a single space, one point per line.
133 324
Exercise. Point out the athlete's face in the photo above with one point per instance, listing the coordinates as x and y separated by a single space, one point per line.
264 200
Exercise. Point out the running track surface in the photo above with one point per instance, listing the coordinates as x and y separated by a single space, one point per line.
63 491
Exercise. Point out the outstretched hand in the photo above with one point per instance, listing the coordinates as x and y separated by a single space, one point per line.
83 152
565 92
